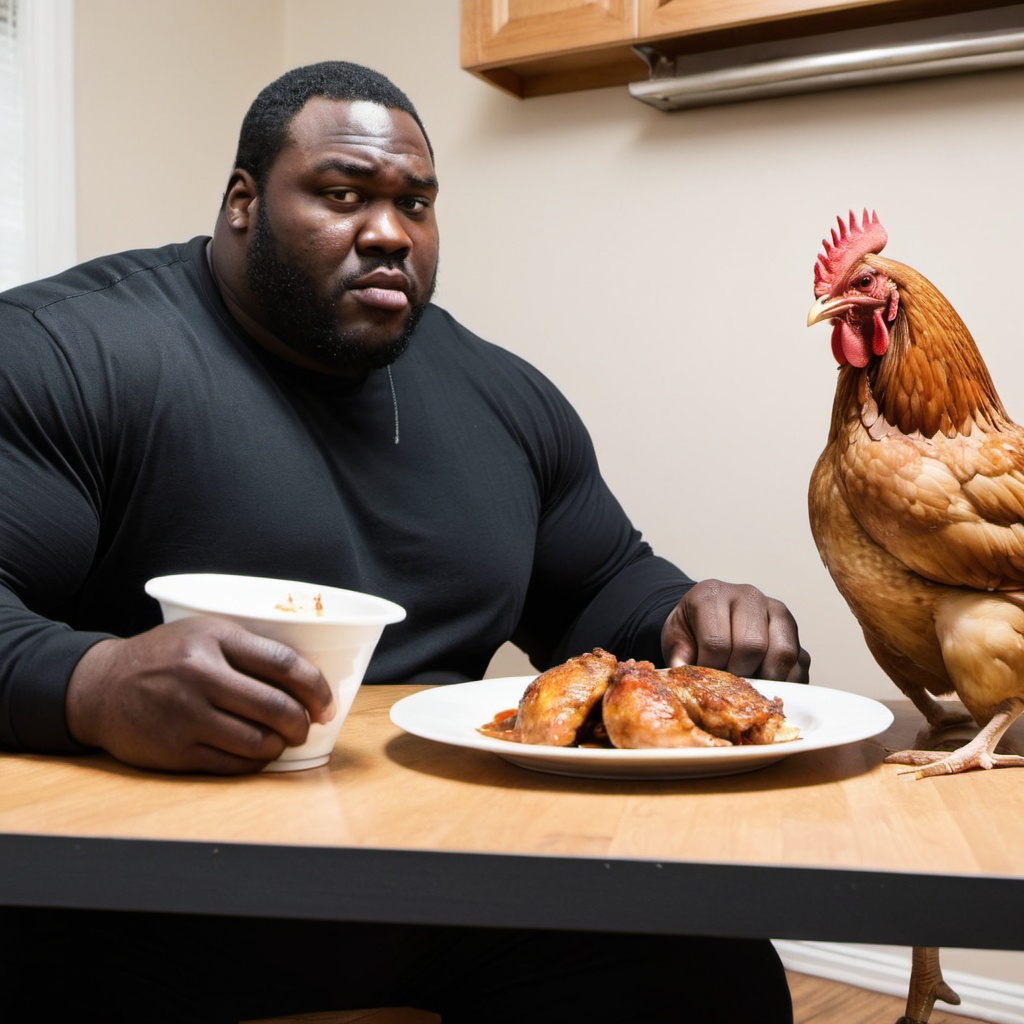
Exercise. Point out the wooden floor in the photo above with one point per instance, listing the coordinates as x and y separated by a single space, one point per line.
815 1001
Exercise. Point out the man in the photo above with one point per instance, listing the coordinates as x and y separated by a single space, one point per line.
284 400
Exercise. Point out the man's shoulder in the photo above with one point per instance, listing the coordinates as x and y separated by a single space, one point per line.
105 275
473 353
521 395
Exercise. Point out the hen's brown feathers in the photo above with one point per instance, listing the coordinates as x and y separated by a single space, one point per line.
933 380
923 452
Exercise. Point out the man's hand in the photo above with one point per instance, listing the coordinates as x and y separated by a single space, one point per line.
199 694
735 627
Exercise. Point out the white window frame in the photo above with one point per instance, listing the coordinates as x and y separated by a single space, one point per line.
45 42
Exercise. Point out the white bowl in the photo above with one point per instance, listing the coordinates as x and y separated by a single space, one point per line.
339 636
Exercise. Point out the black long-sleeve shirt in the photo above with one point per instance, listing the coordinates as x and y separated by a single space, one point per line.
143 433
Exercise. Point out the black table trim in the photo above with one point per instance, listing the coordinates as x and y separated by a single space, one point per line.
313 882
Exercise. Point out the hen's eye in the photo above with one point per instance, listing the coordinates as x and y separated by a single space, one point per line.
865 282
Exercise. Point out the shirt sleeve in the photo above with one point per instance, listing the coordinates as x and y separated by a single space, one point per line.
595 581
49 529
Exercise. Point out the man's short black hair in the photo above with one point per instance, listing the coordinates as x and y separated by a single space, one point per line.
265 127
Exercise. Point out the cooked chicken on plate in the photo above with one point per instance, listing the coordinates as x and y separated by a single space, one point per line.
596 700
643 709
558 702
727 706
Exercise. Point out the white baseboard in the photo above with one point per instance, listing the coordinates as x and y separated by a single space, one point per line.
999 1002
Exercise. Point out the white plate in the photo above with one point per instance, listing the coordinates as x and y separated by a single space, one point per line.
452 714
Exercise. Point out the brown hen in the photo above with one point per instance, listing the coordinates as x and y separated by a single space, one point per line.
917 508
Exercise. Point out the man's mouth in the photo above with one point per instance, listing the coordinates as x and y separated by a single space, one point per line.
382 289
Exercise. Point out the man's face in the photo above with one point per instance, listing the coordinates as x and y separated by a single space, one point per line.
342 255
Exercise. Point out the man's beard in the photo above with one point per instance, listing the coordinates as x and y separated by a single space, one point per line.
305 319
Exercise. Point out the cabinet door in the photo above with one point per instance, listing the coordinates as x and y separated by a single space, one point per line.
494 31
664 17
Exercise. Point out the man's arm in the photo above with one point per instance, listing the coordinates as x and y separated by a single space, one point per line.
202 696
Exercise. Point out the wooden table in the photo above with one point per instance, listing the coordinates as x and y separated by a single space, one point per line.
830 845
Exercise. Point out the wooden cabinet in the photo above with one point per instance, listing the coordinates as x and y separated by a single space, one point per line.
530 47
517 29
661 17
536 47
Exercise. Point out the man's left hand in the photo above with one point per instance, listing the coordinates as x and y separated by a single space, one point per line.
733 626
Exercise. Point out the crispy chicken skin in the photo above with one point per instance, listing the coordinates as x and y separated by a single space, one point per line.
642 711
558 702
727 706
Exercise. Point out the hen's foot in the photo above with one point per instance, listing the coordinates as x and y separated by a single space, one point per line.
979 753
926 986
941 993
937 762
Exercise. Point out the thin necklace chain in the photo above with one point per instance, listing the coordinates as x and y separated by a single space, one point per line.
394 401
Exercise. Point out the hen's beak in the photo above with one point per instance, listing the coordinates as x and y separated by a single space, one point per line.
826 308
830 308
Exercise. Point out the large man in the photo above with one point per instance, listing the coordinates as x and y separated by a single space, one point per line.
238 404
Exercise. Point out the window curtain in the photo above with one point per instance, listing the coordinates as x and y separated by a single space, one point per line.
37 139
12 147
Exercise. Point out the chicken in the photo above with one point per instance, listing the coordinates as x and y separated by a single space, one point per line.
641 711
596 700
557 704
917 509
728 706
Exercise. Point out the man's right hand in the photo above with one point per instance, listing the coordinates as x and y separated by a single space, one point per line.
199 694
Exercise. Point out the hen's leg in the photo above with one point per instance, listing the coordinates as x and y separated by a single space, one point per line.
917 684
982 640
926 985
979 753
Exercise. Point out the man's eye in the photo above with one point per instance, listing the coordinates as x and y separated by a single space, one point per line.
414 204
345 195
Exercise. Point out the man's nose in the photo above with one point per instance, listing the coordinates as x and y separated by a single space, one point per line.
384 230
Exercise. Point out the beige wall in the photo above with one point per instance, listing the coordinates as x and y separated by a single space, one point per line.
657 266
160 91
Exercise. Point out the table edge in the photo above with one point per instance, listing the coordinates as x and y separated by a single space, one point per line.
509 890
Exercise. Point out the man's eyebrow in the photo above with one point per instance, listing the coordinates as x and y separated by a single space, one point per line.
360 170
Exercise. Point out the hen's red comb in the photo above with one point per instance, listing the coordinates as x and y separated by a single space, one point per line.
851 243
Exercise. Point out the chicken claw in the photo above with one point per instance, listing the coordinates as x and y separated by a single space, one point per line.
926 986
558 702
978 753
641 711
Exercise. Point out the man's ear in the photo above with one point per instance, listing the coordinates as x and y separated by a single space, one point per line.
240 200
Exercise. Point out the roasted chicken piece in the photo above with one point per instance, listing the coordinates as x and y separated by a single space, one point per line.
558 703
727 706
642 710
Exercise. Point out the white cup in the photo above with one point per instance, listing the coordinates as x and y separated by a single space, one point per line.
337 630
